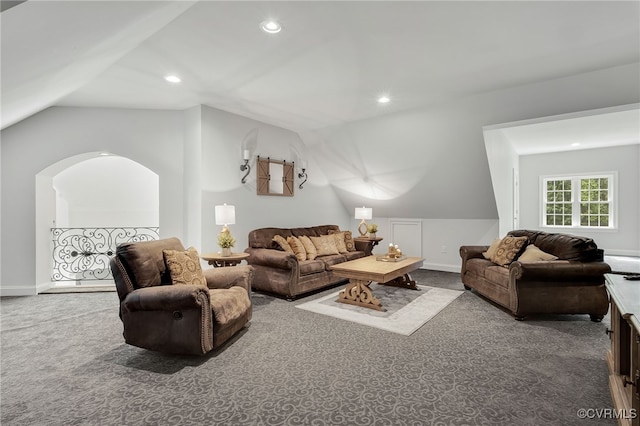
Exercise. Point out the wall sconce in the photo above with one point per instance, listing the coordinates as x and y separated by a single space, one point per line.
303 174
363 213
245 166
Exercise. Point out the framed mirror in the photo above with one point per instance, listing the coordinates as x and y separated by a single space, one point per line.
274 177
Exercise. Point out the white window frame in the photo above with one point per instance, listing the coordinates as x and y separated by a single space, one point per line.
575 199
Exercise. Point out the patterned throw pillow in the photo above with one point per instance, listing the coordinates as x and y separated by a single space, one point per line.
297 247
344 238
508 250
184 266
339 240
492 249
348 241
284 245
534 254
312 253
325 245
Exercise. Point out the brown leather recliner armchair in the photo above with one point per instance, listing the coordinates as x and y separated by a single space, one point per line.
179 319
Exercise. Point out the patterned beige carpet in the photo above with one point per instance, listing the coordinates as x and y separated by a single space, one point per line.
406 310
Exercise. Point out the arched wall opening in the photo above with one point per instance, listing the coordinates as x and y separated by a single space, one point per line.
91 193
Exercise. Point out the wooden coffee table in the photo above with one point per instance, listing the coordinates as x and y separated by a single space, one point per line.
361 272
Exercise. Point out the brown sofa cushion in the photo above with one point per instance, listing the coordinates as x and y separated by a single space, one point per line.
184 266
311 267
565 246
508 249
229 304
144 261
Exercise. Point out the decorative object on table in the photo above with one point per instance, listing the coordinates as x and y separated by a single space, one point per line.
394 254
373 228
225 215
364 213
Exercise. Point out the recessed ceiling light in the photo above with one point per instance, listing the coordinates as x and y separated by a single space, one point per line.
575 144
173 79
271 27
383 99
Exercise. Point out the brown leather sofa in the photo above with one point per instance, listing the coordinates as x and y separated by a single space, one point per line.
281 273
180 319
572 284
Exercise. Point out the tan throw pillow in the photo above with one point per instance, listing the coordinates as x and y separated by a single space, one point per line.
492 249
184 266
339 240
284 245
346 239
325 245
508 250
312 253
297 247
534 254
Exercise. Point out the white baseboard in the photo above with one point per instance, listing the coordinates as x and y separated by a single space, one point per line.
632 253
17 290
441 267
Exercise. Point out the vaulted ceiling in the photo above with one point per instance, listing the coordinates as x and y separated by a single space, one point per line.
326 67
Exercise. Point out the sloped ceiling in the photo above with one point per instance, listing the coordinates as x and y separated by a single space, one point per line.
326 68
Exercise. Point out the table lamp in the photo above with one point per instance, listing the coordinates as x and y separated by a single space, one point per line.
363 213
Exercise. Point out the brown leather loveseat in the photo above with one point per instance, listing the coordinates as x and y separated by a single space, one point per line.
571 284
282 273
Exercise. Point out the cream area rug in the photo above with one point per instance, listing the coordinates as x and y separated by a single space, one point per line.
407 310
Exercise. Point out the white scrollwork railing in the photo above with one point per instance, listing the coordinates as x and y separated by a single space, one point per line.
84 253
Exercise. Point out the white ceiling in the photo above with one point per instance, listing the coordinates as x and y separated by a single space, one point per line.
327 67
585 130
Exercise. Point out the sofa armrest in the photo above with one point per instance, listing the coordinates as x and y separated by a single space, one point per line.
166 298
558 271
241 276
271 258
471 252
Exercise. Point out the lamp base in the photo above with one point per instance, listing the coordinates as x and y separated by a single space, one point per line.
362 228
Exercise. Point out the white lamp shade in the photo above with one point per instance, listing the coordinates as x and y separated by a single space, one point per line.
364 213
225 215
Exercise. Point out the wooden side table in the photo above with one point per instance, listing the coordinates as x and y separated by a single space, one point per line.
366 244
219 261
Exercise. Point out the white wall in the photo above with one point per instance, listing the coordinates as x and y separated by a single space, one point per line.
504 167
441 239
625 240
151 138
224 137
431 163
106 191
